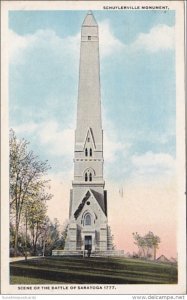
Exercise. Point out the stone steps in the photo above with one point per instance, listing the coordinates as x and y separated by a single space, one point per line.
83 253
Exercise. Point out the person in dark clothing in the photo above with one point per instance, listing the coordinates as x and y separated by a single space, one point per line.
89 252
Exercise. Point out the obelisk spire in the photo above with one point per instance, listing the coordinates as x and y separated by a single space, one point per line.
89 20
89 103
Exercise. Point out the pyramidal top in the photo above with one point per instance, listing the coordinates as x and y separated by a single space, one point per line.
89 20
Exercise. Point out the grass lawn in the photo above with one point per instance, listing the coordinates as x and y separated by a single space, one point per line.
77 270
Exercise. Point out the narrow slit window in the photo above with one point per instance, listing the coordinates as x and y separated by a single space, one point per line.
90 152
86 177
86 152
90 177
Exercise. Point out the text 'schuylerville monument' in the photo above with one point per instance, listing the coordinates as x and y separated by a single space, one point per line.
88 225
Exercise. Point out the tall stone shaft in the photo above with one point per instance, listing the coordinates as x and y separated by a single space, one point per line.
89 103
89 135
88 224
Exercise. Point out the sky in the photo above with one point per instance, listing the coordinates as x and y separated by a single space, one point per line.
137 65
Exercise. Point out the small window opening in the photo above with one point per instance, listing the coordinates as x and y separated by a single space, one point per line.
86 152
90 177
87 219
88 139
86 177
90 152
89 37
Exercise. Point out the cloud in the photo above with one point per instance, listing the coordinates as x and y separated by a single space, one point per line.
108 43
111 148
57 141
64 46
47 40
153 164
60 142
28 128
17 44
46 78
112 144
160 37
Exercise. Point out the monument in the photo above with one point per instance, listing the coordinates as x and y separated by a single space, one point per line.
88 223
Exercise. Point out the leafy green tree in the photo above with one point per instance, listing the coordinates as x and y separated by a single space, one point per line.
26 181
140 242
23 241
36 214
152 242
53 237
146 243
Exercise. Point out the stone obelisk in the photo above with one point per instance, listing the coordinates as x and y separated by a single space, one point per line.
88 225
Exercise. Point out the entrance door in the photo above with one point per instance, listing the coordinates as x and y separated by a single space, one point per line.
88 242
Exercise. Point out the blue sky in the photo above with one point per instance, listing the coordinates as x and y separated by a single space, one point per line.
137 57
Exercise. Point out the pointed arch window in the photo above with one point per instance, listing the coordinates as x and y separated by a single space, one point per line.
86 177
87 219
90 151
86 152
89 174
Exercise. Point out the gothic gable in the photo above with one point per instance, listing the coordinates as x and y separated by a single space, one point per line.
89 139
99 199
81 205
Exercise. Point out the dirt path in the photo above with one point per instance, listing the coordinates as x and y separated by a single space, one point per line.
12 259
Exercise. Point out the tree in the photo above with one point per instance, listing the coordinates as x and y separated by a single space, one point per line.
52 237
140 242
152 242
24 241
64 234
26 180
36 214
147 242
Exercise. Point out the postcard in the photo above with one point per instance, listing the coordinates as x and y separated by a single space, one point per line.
93 148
